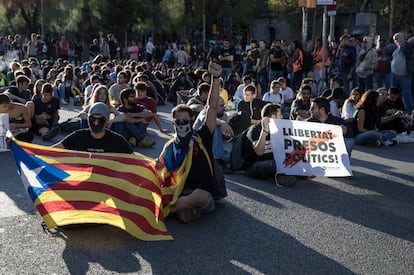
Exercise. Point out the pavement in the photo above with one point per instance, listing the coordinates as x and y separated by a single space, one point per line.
358 225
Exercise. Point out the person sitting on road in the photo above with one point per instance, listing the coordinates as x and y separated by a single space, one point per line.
259 162
21 93
101 94
300 109
149 103
198 193
19 119
320 112
97 138
46 114
223 133
288 96
134 126
274 95
366 119
250 104
238 94
392 112
181 83
198 102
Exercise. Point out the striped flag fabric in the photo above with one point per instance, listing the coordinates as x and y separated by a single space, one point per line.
122 190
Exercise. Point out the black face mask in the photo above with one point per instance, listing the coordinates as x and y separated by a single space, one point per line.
97 128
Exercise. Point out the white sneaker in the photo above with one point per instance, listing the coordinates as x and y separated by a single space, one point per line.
390 142
63 102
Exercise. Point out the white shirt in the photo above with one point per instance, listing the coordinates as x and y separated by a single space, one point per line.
274 98
287 93
149 48
238 94
348 110
334 108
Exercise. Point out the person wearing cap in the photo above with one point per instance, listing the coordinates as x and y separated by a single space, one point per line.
97 138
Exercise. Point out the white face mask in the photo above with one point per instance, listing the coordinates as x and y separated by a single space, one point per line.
183 130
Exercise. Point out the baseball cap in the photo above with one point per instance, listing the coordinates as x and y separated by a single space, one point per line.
99 108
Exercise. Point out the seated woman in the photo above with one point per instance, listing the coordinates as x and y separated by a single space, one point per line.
348 109
101 94
367 118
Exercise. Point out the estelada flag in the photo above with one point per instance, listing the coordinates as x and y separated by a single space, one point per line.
72 187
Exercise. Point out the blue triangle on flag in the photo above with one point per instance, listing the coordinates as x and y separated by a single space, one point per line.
36 174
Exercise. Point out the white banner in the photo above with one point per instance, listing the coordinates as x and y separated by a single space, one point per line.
309 149
4 127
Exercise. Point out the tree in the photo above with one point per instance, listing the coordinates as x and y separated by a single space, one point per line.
188 19
228 19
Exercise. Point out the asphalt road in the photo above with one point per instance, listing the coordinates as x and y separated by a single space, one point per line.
362 225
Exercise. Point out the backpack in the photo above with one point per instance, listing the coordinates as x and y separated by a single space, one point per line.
307 63
240 122
240 143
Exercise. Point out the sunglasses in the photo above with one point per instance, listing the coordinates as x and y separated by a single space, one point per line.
183 121
97 119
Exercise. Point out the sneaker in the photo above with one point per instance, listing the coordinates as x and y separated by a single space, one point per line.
146 143
63 102
188 215
374 143
285 180
51 134
133 141
390 143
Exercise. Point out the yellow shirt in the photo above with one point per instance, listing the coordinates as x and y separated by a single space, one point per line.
225 95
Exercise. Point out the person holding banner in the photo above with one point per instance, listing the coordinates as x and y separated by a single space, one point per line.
259 161
320 112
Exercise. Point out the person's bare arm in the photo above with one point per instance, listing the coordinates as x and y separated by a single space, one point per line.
215 71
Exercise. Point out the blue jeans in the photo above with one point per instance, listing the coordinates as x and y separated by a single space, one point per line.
349 145
403 82
345 82
383 80
365 83
263 81
374 135
225 72
273 75
218 144
136 130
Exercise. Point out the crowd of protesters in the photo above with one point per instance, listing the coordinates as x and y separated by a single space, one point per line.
288 74
363 87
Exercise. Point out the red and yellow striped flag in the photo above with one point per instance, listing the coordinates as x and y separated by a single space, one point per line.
122 190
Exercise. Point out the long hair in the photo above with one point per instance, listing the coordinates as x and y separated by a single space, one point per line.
96 92
368 100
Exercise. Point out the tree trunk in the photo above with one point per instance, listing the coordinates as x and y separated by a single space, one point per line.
228 19
188 19
390 30
156 17
30 15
